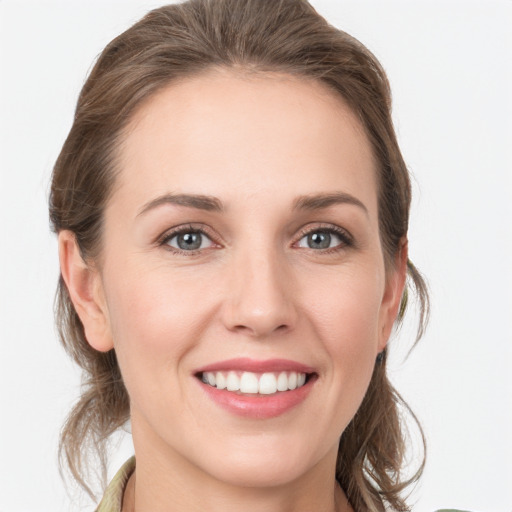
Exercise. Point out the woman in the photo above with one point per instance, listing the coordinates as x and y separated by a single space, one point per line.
232 210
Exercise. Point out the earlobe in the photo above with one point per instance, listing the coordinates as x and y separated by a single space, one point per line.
86 292
395 285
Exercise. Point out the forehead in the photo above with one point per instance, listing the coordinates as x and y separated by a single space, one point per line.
233 134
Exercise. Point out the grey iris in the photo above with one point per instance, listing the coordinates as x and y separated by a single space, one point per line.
189 241
319 240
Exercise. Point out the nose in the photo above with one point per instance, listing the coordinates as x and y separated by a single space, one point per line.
260 301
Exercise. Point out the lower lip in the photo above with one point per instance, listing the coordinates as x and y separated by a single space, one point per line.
258 406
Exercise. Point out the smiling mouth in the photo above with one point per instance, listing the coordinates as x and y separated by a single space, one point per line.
252 383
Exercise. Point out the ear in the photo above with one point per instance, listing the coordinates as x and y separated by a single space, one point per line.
395 284
85 289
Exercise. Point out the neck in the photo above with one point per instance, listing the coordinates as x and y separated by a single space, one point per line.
165 480
163 483
250 501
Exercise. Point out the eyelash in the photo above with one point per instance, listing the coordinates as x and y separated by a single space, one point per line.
347 240
181 230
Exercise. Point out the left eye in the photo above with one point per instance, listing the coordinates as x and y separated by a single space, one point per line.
189 241
322 239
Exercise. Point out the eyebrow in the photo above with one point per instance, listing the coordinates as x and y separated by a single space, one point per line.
213 204
201 202
321 201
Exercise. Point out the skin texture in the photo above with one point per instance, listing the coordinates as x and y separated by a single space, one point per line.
255 288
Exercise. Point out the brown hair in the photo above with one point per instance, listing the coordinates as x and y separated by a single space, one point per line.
181 40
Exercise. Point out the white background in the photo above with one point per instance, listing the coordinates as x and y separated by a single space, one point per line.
449 65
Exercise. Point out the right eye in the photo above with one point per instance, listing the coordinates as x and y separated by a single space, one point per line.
188 240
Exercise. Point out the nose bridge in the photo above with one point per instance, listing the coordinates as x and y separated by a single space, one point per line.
260 300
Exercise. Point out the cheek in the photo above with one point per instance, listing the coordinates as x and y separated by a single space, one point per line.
155 307
155 322
347 309
345 316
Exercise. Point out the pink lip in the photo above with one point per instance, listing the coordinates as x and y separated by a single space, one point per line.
256 366
258 406
252 405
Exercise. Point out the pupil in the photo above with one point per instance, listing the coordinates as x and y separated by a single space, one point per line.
189 241
319 240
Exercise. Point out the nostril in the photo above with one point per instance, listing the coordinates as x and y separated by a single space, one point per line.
260 330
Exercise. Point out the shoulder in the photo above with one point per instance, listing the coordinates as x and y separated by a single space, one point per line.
451 510
113 498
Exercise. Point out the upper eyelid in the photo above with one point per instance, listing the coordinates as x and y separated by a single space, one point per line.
324 227
215 238
184 228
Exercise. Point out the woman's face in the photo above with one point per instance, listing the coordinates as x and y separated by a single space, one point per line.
241 248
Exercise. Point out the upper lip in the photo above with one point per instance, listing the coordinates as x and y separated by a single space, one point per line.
256 366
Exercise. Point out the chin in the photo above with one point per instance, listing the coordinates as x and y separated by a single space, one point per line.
260 465
261 474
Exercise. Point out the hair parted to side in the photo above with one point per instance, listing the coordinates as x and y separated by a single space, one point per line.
175 42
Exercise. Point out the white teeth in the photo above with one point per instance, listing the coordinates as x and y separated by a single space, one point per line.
292 381
233 382
282 382
268 384
248 382
221 381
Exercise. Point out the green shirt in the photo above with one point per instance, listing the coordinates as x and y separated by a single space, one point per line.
113 498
